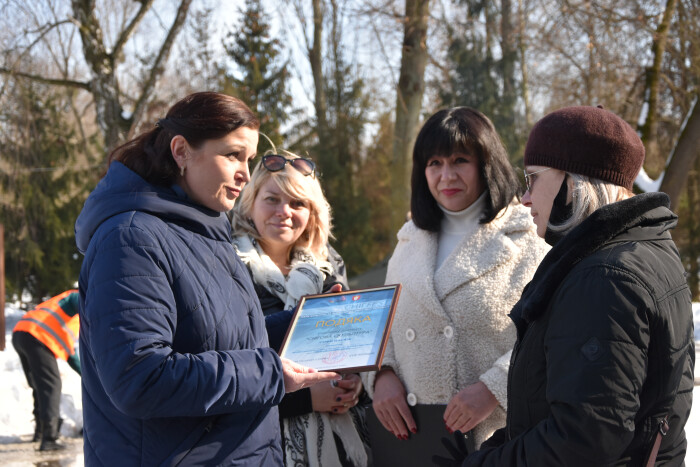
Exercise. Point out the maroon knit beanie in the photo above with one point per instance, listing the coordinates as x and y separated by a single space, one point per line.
588 141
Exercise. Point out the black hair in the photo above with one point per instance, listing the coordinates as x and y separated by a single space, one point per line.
461 129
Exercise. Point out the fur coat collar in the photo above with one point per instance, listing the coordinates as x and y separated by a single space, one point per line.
481 250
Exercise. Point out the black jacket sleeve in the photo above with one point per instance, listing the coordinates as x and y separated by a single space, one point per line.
296 403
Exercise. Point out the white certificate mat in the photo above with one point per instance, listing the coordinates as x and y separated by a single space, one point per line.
344 332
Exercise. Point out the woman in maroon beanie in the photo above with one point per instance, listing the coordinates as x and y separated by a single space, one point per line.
602 370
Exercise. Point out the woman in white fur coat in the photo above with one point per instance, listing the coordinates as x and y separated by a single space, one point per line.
463 261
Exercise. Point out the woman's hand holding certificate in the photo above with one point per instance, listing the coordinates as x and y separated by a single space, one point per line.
298 376
338 397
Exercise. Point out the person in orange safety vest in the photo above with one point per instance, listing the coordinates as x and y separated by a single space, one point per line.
42 335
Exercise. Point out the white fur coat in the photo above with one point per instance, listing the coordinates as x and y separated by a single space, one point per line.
451 327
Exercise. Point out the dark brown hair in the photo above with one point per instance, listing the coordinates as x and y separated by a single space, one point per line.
461 129
198 117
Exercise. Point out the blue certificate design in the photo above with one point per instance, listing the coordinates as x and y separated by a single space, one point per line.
344 332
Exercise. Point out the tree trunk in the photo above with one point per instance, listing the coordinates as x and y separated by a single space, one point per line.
409 98
683 156
316 61
649 128
509 56
103 85
692 222
523 65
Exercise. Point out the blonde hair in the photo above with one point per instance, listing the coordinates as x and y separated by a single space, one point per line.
589 194
296 185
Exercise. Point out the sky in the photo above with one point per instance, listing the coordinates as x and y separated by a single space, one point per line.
16 397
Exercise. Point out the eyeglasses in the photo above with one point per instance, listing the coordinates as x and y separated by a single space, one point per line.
275 163
529 183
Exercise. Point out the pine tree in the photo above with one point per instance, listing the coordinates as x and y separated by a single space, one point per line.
260 79
41 192
477 79
343 167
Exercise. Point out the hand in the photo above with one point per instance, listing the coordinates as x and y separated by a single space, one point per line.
459 450
469 407
298 376
338 396
390 404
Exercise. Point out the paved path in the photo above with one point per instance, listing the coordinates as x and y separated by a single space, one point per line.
25 454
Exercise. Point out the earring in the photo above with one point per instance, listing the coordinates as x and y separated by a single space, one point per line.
182 171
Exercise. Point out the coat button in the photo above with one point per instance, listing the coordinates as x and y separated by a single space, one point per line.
411 399
448 331
410 334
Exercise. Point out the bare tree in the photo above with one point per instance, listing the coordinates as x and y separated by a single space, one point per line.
683 157
522 49
653 76
113 116
315 52
508 48
409 96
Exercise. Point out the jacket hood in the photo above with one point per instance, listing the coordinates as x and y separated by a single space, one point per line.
122 190
647 213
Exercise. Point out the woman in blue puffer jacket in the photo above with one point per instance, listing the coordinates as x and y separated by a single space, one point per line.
176 364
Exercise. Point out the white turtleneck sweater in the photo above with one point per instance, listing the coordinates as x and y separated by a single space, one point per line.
455 224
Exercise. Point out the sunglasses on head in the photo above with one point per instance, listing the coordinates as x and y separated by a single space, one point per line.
276 162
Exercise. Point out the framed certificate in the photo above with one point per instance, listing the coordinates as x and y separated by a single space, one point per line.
345 332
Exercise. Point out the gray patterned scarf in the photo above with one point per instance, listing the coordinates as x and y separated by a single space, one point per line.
308 438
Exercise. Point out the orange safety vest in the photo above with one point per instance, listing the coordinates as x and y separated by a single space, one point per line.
52 326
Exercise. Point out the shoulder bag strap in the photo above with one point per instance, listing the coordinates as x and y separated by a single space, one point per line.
663 429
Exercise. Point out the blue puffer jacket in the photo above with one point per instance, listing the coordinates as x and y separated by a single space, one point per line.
176 364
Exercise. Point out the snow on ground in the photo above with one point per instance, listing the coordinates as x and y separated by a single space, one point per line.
16 397
16 418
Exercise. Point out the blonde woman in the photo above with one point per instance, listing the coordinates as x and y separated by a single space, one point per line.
282 224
